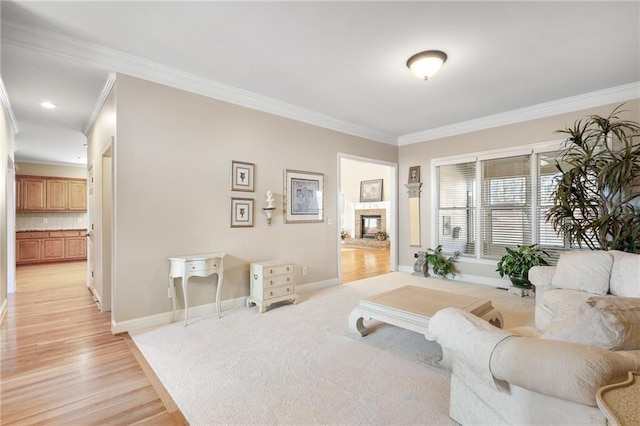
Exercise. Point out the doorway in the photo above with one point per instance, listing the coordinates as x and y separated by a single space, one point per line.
106 226
367 225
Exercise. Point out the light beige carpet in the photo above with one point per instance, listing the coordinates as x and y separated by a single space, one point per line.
299 364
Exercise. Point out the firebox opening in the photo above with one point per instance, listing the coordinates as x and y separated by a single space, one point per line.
371 225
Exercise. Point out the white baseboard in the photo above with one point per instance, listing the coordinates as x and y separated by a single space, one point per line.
469 278
201 310
3 310
302 288
167 317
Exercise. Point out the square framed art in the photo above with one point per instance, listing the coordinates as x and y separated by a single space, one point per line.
242 175
241 212
371 190
303 197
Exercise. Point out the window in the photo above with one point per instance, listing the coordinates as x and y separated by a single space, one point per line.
506 204
456 207
515 193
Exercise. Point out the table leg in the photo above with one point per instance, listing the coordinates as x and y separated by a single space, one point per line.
185 292
356 322
218 301
172 293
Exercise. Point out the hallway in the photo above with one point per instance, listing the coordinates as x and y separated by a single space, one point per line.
61 364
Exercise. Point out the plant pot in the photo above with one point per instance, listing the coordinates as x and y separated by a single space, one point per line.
520 282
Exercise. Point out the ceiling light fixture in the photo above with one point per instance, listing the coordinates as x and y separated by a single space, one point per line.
48 105
426 64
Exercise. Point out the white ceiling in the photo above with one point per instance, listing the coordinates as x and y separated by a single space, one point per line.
340 65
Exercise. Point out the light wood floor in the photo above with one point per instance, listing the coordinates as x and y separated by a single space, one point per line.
361 262
60 363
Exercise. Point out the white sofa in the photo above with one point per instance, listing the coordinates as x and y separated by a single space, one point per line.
499 378
579 275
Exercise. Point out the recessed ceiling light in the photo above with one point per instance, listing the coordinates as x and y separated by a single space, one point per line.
48 105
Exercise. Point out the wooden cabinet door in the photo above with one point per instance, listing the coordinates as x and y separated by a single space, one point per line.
77 195
34 194
52 249
75 248
56 195
18 200
27 251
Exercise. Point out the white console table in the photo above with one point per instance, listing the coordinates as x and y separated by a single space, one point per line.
196 265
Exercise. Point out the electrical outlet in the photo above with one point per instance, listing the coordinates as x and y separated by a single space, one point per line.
304 270
45 220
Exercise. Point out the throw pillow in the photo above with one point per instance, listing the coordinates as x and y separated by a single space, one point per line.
625 274
606 321
583 270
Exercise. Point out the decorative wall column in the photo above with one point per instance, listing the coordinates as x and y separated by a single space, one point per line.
414 213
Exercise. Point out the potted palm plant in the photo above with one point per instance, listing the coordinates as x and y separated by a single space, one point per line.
596 199
516 263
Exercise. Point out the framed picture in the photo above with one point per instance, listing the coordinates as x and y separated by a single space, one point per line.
242 176
303 197
446 225
371 190
241 212
414 174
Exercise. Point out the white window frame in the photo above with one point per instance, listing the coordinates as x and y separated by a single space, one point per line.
528 149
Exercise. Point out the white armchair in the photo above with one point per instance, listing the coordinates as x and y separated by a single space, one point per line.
499 378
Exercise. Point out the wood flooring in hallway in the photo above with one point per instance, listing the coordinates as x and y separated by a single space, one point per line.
362 262
61 365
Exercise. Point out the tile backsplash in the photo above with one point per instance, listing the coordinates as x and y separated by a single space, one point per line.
50 221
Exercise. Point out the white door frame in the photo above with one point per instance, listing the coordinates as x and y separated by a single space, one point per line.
11 225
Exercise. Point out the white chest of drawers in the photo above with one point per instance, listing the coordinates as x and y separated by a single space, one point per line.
271 281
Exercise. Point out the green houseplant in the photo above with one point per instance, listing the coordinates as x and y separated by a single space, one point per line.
441 265
516 263
596 199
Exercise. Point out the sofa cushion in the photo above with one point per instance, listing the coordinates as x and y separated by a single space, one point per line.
584 270
609 322
556 299
625 274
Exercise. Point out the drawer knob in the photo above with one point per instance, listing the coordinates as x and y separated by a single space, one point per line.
271 282
271 271
271 293
288 279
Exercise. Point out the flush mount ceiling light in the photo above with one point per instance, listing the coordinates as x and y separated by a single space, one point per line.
426 64
48 105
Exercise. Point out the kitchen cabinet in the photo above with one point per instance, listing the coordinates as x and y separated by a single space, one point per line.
77 195
50 194
50 246
56 195
34 193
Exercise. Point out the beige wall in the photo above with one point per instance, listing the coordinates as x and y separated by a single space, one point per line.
530 132
172 157
36 169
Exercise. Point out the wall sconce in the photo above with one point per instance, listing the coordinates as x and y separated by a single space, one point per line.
270 207
426 64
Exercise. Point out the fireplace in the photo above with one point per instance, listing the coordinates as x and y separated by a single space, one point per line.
370 225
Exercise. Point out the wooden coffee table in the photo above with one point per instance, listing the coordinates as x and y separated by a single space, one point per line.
412 307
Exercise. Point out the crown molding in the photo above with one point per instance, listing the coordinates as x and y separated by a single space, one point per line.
102 98
4 100
114 61
547 109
